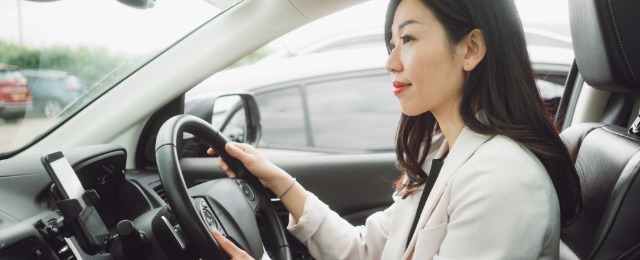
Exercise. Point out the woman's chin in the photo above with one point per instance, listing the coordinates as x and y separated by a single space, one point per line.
412 113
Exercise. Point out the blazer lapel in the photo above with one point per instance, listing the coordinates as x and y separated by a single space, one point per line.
464 147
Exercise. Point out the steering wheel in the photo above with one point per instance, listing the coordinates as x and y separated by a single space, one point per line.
229 205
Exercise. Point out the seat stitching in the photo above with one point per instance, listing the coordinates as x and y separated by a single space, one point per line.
623 61
631 253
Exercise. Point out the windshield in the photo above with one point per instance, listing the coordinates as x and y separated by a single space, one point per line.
58 56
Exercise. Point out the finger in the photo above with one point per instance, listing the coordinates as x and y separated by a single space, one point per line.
228 246
233 150
225 167
244 147
210 151
230 147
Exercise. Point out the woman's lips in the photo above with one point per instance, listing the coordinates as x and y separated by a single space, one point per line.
398 87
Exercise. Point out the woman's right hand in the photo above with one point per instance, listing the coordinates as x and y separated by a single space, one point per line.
268 173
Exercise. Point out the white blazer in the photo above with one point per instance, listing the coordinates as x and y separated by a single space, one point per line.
493 199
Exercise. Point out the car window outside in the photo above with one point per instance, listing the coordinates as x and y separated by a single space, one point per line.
353 114
359 114
95 43
6 75
346 114
283 121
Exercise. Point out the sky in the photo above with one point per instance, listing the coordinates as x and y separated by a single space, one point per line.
142 30
137 30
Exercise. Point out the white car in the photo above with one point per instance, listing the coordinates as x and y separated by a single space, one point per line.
308 102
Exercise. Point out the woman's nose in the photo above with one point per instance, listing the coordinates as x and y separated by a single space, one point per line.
393 63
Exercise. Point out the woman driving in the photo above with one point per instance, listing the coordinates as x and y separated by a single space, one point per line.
484 173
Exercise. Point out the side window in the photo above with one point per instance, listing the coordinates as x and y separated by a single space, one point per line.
550 79
5 75
282 118
551 92
549 45
18 76
353 114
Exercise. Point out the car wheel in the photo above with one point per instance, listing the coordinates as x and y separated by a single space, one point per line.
51 108
12 119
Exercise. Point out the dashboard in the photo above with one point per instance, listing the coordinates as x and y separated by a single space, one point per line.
28 212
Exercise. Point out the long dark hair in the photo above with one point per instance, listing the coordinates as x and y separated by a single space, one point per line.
503 86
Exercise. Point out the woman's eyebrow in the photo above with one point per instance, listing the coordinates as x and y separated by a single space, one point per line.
408 22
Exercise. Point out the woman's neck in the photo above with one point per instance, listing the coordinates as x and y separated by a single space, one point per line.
450 124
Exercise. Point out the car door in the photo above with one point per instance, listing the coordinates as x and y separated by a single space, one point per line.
337 141
350 119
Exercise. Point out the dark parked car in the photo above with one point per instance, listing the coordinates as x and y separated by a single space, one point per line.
15 98
52 90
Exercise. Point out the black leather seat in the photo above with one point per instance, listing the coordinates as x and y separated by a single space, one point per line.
609 225
606 39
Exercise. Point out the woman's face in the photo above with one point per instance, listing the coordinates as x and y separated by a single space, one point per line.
426 70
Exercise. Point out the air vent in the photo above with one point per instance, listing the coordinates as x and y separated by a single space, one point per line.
160 191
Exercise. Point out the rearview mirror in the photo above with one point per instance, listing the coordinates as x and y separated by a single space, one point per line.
139 4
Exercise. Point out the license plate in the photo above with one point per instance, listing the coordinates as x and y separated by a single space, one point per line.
18 96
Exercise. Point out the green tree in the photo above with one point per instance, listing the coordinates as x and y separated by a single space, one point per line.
89 64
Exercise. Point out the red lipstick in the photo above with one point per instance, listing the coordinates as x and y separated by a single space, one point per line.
398 87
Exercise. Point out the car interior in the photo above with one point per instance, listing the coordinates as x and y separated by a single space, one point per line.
607 151
142 197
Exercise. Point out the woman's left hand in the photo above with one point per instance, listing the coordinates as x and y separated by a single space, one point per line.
232 250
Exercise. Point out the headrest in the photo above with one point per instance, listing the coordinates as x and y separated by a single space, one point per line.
606 42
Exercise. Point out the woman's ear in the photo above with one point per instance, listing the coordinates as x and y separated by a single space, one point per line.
475 49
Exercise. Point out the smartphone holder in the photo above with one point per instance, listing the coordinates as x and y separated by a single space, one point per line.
85 223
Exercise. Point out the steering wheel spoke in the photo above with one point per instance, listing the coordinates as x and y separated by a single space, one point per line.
222 205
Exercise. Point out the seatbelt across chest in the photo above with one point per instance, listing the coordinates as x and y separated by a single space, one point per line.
436 165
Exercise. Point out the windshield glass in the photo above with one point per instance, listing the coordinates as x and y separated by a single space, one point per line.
58 56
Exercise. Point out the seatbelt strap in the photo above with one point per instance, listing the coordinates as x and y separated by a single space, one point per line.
436 165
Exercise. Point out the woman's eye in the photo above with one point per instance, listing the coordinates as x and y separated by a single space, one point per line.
406 39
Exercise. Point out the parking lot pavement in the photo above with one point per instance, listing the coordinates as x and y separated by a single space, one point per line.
16 134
